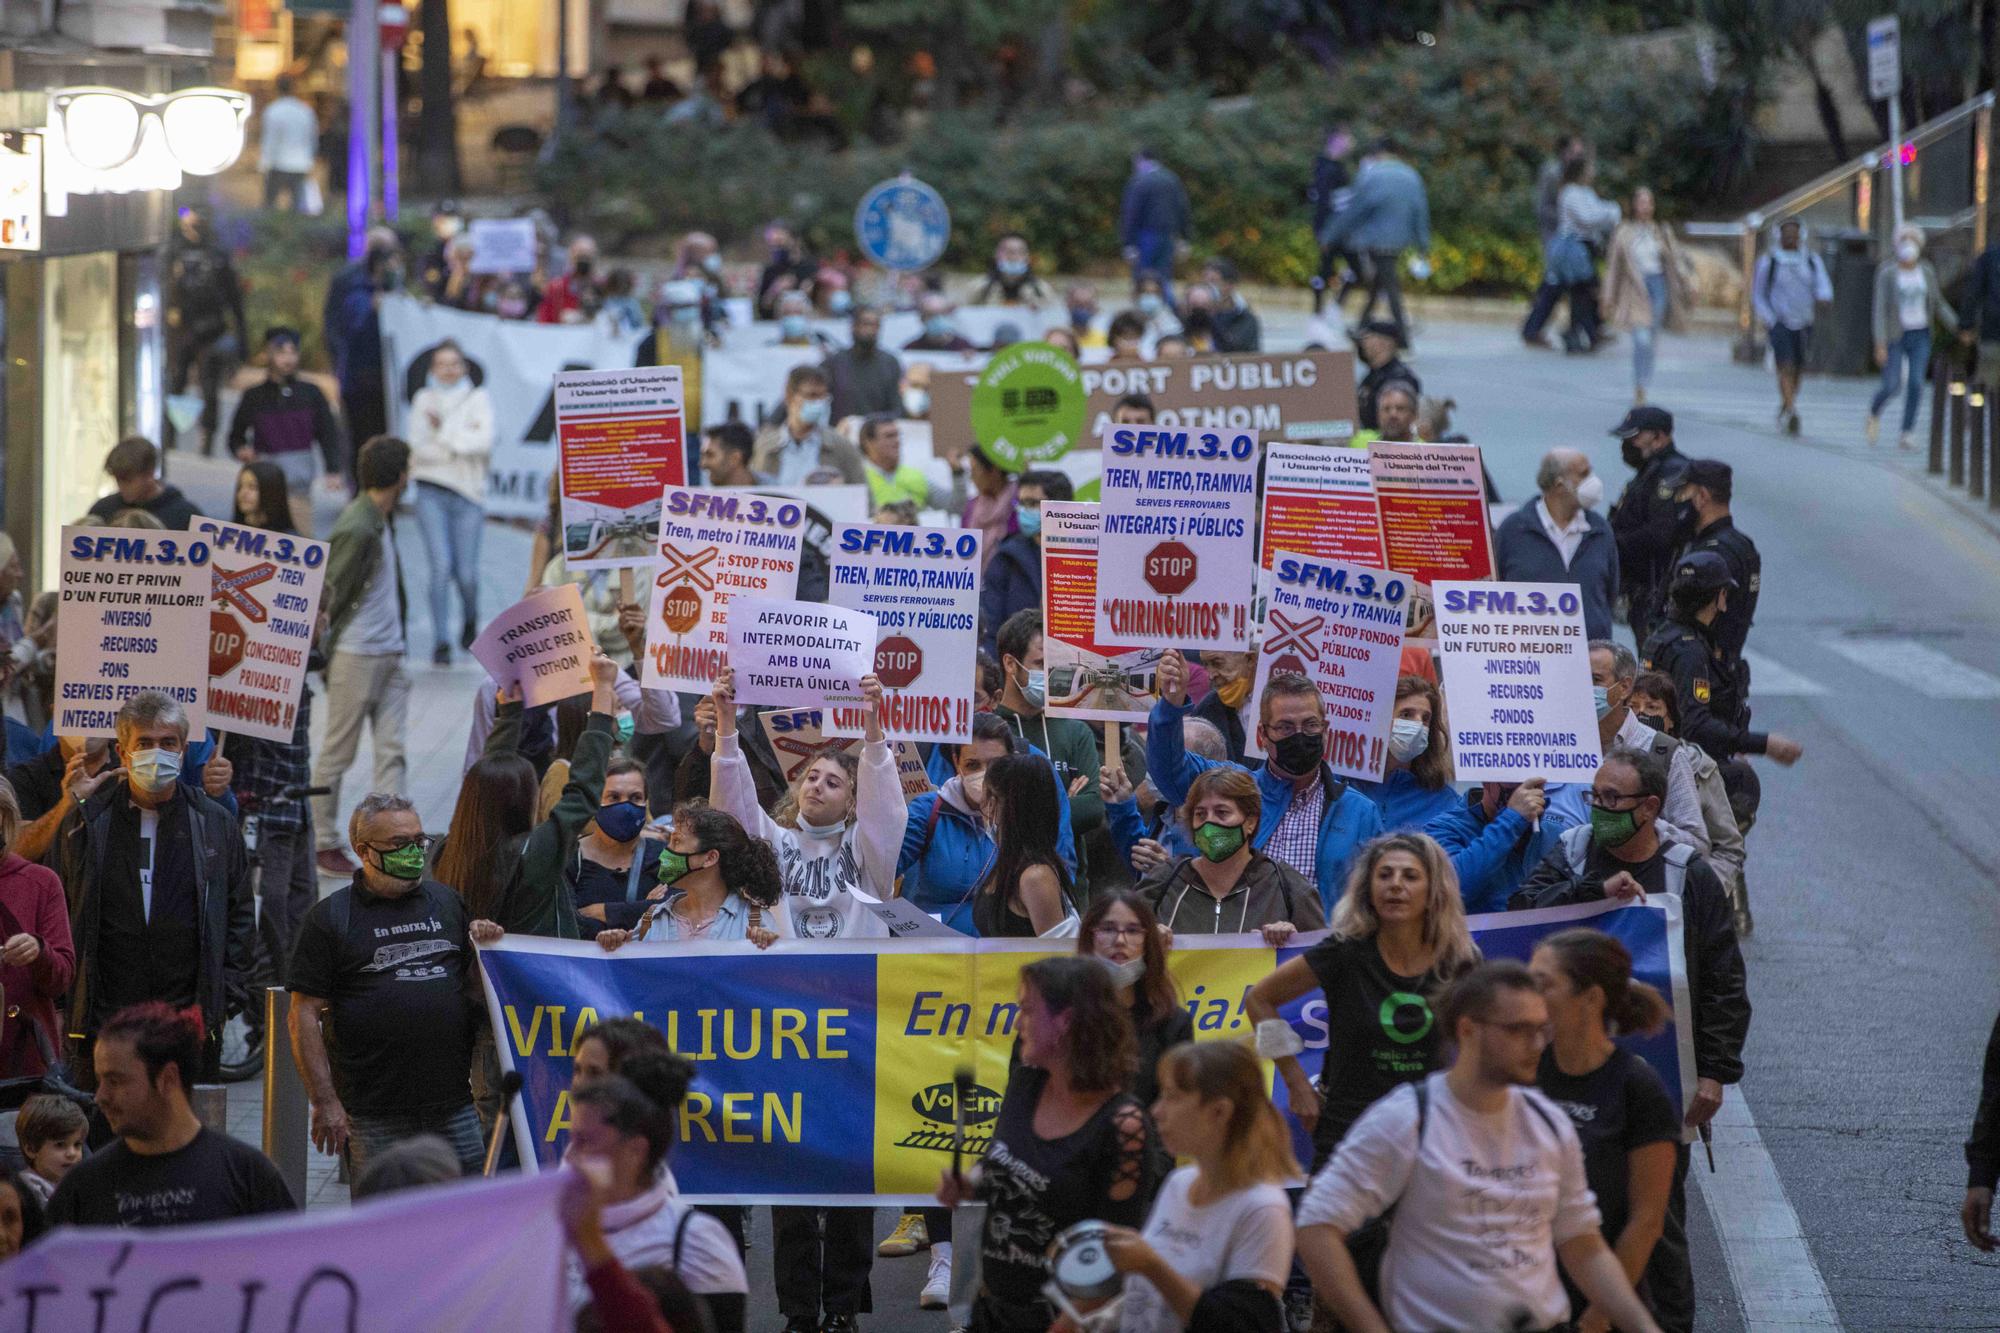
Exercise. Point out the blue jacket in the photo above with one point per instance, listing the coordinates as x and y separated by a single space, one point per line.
1525 554
1012 582
1492 858
1155 201
1390 210
1127 826
1406 807
942 861
1347 824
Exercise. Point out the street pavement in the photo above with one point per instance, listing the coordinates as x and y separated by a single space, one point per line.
1873 865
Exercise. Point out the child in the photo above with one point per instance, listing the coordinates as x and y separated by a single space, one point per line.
50 1130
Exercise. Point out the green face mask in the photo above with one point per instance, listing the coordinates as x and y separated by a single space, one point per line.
404 862
1612 828
673 866
1219 842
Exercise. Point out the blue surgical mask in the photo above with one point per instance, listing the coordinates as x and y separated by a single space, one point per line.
1012 268
1602 696
792 327
1150 304
938 326
621 821
154 770
840 303
1029 520
712 263
1036 691
1080 316
813 411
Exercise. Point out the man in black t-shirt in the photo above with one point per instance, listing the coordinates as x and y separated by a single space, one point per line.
166 1169
382 1014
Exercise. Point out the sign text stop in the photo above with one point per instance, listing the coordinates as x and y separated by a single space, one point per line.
225 643
898 661
1169 568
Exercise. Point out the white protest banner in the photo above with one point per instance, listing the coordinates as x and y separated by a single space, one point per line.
457 1258
787 652
264 599
516 362
922 587
714 545
133 616
1517 681
1178 538
1086 679
1341 627
797 739
744 381
621 440
541 643
502 245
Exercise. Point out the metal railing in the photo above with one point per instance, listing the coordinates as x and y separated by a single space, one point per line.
1965 430
1945 166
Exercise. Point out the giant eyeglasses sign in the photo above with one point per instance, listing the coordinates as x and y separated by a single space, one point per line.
109 141
20 190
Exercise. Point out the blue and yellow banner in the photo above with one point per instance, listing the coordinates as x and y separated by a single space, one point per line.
825 1068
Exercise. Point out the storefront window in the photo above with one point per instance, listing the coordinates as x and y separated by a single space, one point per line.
79 389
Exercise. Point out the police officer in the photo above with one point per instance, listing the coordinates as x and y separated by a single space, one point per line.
1709 483
1712 683
1648 522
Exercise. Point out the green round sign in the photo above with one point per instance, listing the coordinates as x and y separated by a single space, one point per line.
1028 406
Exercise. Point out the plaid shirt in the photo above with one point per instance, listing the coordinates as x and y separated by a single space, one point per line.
265 768
1296 839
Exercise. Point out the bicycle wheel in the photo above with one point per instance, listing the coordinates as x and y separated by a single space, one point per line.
242 1054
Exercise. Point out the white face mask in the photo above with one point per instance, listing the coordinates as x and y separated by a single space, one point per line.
1124 974
1590 491
916 402
1908 252
812 830
1408 738
972 786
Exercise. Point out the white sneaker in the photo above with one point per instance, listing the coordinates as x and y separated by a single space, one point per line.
1906 441
1874 428
936 1294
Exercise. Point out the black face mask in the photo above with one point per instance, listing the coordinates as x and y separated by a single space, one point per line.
862 344
1299 753
1685 520
1629 451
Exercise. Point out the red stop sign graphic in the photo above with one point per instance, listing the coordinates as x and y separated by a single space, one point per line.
898 661
1169 568
225 643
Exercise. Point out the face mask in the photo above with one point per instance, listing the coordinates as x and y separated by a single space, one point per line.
1029 521
1299 753
973 787
582 269
1613 828
1233 693
812 830
712 264
405 863
621 822
1080 316
1124 974
813 411
1602 695
673 866
1012 268
792 327
1036 691
1149 304
1908 252
1219 842
1629 451
916 402
1657 721
840 303
154 770
1408 738
862 344
937 326
1590 492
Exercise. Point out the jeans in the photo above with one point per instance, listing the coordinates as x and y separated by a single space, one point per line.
1645 340
1156 256
369 1136
204 351
1914 347
822 1266
451 526
1385 283
372 689
290 184
287 888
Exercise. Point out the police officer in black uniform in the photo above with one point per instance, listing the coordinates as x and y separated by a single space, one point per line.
1709 485
1648 522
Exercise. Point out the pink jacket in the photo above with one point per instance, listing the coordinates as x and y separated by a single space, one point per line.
31 902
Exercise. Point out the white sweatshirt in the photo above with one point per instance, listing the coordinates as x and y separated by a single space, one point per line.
453 453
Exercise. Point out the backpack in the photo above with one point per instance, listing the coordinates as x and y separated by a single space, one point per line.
1678 856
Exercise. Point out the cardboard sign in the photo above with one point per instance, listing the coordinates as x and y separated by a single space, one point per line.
787 652
1178 537
1432 498
133 616
1086 678
1517 678
263 603
797 737
541 643
622 440
1341 627
922 587
1319 502
1275 396
502 245
714 545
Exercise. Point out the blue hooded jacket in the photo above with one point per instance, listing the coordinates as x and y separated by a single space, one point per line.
1405 805
943 859
1493 857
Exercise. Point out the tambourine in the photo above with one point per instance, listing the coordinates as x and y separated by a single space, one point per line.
1080 1264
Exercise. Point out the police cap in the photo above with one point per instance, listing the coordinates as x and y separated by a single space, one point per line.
1712 475
1644 418
1703 570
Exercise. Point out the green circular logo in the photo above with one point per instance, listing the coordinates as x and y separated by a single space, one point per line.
1028 406
1406 1017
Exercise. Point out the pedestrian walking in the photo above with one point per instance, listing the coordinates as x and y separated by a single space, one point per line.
1787 288
287 144
1332 190
206 330
1909 305
1390 213
1154 220
1645 286
1548 218
451 437
284 420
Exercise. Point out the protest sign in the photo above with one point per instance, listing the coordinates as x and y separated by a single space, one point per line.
502 245
785 652
541 643
264 600
1178 533
1517 679
1028 406
515 361
1341 627
620 438
463 1257
714 545
1275 396
1086 679
823 1071
1319 502
1432 498
133 616
797 739
922 587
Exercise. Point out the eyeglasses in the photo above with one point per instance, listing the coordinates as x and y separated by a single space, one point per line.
1613 800
1113 934
1541 1033
423 840
104 127
1281 730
